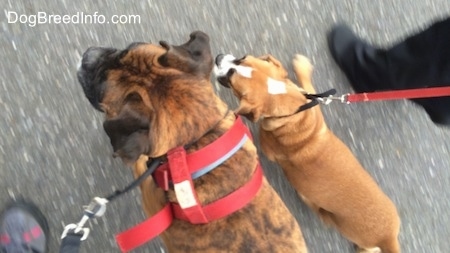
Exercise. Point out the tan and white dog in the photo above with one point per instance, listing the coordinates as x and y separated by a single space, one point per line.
322 169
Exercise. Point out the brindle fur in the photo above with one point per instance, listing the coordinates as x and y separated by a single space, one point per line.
156 98
322 169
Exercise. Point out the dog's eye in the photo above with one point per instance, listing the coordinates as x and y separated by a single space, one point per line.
133 97
197 53
239 61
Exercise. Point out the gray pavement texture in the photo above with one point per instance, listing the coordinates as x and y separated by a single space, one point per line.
55 152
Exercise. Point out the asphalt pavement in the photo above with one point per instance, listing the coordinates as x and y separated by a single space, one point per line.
55 152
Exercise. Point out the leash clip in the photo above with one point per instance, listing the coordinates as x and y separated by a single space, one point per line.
74 227
327 100
96 208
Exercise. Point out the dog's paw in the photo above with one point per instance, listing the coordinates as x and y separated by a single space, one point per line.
303 71
302 64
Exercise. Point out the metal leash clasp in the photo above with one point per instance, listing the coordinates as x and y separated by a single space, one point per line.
327 100
96 208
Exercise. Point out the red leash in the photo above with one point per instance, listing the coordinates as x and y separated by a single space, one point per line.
398 94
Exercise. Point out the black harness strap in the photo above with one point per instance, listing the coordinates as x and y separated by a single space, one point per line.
315 99
321 95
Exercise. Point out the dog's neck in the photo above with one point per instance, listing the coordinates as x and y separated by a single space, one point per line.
297 122
220 119
279 116
281 104
307 123
223 120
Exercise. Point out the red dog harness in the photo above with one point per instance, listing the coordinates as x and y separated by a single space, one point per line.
180 170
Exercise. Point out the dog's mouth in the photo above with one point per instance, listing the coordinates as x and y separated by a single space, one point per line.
226 65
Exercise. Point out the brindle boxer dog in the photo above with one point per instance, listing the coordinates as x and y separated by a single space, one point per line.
158 97
325 173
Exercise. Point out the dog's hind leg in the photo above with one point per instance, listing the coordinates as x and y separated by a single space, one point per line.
390 246
369 250
326 216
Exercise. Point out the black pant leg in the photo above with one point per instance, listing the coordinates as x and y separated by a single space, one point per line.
422 59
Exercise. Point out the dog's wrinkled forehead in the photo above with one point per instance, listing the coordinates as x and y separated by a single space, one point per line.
138 86
101 68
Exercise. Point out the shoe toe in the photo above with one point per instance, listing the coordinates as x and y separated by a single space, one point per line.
340 40
23 227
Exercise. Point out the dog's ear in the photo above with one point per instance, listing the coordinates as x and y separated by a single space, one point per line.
128 133
270 58
248 110
193 57
281 72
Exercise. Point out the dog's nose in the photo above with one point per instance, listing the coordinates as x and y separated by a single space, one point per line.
219 59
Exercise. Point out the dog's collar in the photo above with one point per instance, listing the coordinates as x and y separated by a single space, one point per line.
315 99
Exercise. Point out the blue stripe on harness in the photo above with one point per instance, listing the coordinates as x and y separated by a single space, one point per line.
213 165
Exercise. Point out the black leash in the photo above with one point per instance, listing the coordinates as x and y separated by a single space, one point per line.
151 167
74 234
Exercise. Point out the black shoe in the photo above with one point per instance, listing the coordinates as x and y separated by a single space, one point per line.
364 66
23 228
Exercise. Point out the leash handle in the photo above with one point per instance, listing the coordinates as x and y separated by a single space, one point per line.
400 94
71 243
